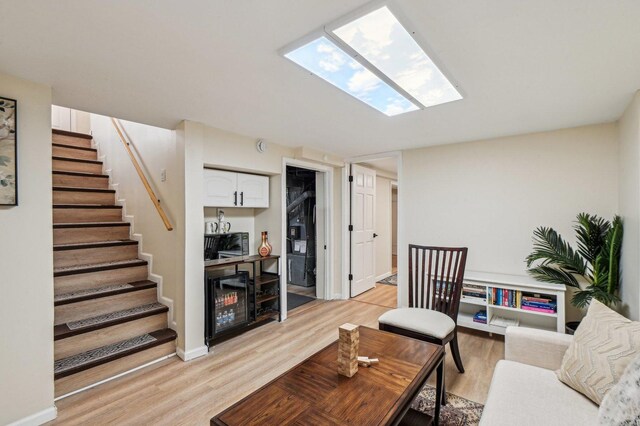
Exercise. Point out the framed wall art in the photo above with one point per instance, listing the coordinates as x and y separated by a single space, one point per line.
8 152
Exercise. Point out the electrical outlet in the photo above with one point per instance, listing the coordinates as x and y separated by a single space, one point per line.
163 175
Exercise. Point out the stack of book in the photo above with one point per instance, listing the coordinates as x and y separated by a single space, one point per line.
480 317
504 297
539 303
477 293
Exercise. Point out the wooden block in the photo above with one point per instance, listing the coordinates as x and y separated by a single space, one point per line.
348 342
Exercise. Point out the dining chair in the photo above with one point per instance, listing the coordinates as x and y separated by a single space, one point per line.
435 287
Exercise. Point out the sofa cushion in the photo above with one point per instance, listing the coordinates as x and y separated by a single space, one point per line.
602 347
425 321
621 405
524 395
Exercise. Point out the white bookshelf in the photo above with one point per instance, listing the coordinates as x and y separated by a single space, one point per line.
533 319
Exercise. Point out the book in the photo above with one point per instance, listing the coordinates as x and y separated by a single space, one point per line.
531 308
504 322
540 305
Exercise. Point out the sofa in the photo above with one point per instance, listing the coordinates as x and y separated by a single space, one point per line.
525 390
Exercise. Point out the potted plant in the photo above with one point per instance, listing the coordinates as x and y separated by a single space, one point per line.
593 269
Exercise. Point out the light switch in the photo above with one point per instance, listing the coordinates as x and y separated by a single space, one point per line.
163 175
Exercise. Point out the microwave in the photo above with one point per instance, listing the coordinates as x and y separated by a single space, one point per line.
223 248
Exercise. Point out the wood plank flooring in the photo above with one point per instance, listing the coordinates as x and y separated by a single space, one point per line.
178 393
301 290
382 295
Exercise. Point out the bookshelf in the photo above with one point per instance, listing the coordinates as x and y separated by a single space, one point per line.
515 292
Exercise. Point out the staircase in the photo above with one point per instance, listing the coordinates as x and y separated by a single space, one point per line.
107 316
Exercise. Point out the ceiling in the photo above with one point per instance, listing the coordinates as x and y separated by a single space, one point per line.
521 66
387 164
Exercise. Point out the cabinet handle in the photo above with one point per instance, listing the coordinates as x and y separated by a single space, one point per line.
235 198
242 198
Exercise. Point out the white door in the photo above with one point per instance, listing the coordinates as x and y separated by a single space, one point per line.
253 191
363 202
220 189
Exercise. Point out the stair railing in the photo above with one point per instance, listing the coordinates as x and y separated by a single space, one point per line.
154 198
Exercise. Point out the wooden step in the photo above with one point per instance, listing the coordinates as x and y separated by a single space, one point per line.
80 180
74 165
70 151
98 252
68 280
71 138
69 195
80 336
93 366
69 233
102 292
73 213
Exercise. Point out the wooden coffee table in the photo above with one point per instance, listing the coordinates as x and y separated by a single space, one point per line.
314 393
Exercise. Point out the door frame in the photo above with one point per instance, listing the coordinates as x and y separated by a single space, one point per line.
328 231
346 218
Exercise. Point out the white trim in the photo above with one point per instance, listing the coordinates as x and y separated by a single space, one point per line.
193 353
38 418
328 232
345 233
124 373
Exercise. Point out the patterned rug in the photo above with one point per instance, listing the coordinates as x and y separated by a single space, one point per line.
457 412
390 280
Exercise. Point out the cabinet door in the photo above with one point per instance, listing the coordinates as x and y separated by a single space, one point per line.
220 189
253 190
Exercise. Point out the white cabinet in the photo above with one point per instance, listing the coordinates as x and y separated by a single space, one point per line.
229 189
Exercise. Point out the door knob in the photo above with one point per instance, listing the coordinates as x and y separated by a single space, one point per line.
375 235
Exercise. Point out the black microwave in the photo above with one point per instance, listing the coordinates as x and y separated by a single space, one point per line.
223 248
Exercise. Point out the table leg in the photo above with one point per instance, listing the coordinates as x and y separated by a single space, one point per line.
439 392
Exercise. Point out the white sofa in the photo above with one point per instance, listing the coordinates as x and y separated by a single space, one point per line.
525 390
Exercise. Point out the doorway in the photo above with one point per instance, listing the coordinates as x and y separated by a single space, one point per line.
373 217
307 227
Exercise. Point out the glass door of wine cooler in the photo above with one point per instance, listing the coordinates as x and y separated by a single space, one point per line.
227 303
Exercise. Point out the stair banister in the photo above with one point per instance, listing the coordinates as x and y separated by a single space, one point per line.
154 198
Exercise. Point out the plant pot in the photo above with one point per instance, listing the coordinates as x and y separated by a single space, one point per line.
571 327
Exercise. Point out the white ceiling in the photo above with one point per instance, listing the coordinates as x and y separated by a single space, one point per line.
387 164
522 66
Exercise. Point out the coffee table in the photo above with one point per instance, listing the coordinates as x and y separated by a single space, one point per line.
314 393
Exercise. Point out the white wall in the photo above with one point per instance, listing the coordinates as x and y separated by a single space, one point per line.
490 195
26 351
156 150
394 222
629 131
383 227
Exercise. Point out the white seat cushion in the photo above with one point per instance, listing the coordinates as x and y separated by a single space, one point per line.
424 321
524 395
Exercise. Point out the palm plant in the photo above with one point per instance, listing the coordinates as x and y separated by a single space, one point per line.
596 260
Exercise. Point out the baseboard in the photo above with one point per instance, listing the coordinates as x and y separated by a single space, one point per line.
38 418
383 276
193 353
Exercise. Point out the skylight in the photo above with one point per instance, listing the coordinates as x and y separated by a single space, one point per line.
326 60
382 40
376 60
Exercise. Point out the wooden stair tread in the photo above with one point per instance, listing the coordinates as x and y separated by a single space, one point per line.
81 174
96 244
69 133
95 357
97 267
86 206
80 148
86 325
76 160
89 224
83 189
106 291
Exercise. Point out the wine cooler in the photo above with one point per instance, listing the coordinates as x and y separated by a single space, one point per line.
227 303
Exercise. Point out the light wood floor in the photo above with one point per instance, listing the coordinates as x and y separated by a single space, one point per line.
179 393
382 295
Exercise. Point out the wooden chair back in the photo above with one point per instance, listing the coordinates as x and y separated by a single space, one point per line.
435 278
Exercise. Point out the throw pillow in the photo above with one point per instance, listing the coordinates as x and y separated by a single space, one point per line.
603 346
621 406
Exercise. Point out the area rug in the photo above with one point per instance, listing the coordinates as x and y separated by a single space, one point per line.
457 412
390 280
294 300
